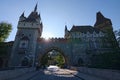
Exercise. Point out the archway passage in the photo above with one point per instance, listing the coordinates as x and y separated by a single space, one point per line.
25 62
54 56
80 62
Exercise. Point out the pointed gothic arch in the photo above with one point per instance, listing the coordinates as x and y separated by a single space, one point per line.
47 50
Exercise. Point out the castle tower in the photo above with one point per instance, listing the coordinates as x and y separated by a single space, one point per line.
66 32
24 48
105 25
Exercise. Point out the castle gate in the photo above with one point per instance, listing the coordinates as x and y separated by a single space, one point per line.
58 45
73 53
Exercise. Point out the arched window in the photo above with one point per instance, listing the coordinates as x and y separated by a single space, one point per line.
25 62
80 62
24 43
91 44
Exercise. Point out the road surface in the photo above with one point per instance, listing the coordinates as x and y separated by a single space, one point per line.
61 74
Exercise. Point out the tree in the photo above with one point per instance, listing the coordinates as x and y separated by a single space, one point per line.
106 60
5 29
3 48
117 34
59 59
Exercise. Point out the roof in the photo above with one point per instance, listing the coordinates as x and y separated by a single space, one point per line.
32 17
101 19
84 29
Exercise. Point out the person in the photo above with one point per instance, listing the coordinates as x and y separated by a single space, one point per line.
37 66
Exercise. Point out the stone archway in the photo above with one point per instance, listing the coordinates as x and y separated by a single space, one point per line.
80 62
25 62
47 50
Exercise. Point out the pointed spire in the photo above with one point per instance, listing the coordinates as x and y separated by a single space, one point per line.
39 16
66 28
35 9
22 15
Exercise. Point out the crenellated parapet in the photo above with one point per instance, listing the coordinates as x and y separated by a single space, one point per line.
53 40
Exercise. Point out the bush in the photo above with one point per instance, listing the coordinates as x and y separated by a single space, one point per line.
106 60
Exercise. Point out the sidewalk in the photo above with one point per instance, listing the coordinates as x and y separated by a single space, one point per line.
26 76
88 76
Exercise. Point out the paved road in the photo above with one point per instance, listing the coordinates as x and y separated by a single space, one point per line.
62 74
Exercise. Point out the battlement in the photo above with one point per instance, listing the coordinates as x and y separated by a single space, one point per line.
52 40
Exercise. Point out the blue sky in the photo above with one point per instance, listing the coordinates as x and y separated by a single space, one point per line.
56 14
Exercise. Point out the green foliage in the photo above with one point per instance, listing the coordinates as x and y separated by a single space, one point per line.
56 59
106 60
5 29
60 60
3 49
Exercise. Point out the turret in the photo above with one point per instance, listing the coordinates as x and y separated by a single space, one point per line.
103 23
66 32
66 28
35 9
22 17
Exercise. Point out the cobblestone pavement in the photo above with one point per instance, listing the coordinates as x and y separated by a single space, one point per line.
62 74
